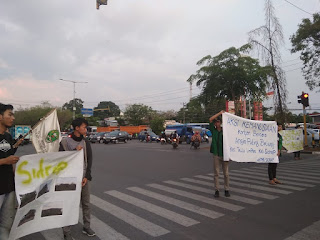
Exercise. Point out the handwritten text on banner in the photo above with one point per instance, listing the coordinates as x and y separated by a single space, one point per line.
246 140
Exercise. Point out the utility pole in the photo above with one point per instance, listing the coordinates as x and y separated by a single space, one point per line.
74 94
184 113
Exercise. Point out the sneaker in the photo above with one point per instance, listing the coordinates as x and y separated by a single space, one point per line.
68 236
226 193
272 182
216 194
89 232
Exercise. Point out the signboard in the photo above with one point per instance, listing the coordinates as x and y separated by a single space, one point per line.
247 140
48 189
292 140
87 112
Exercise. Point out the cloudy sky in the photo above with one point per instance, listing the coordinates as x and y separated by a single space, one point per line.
130 51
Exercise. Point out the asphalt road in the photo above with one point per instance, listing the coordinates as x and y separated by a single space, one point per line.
150 191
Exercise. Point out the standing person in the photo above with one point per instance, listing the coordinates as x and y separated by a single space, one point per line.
272 167
217 150
7 159
77 142
297 154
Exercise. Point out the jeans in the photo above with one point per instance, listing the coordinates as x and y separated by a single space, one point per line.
217 161
85 203
7 214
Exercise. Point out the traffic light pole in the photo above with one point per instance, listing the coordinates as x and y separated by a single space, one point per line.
305 127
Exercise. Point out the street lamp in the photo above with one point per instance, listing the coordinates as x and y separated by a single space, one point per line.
74 94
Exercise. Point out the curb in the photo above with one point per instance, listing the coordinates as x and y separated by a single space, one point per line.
306 152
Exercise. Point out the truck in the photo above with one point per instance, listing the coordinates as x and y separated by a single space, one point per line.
19 131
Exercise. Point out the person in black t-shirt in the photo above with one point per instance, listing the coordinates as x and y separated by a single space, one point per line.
7 159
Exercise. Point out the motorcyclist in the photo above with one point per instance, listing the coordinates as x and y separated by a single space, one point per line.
175 135
196 137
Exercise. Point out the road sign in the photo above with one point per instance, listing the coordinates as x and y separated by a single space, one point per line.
87 112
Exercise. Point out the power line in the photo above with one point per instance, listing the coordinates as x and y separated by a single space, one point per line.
298 7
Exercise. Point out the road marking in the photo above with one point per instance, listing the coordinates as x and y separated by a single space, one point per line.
52 234
210 191
197 197
233 173
181 204
309 171
247 192
165 213
133 220
103 231
268 189
294 173
309 233
243 179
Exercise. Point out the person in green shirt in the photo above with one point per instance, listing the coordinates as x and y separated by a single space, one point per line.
217 150
272 167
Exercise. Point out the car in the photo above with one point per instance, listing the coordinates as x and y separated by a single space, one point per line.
101 136
93 137
142 136
116 136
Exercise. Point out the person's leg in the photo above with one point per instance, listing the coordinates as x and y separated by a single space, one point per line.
270 173
7 214
216 166
275 173
85 203
225 168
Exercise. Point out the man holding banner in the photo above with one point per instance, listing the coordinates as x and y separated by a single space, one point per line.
78 142
272 167
217 150
7 159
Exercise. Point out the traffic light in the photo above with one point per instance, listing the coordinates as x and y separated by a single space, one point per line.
305 99
299 99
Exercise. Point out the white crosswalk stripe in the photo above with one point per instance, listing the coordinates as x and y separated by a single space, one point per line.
178 203
311 232
283 176
130 218
294 173
210 191
172 216
197 197
103 231
243 191
253 186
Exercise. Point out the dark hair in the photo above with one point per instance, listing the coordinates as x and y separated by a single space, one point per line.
78 122
5 107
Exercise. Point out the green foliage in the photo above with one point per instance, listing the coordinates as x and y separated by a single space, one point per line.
307 41
32 115
69 105
113 110
138 114
229 76
156 124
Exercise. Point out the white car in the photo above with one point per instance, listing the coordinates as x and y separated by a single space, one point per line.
309 137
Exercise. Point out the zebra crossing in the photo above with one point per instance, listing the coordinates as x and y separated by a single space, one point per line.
188 201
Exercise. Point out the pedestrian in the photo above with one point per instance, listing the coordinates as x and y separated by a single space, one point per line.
297 154
217 150
7 159
77 142
272 167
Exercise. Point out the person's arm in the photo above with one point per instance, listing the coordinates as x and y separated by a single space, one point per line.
216 115
9 160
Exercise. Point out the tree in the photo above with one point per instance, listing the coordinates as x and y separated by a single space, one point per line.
156 124
307 41
78 105
267 39
138 114
111 110
230 75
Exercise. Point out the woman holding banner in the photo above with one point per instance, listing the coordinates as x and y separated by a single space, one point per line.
272 167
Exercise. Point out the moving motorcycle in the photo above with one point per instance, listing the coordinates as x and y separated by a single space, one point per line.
174 143
163 141
195 144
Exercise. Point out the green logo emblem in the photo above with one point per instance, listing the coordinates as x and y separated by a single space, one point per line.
52 136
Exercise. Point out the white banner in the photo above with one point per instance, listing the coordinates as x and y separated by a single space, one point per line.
292 140
48 189
46 135
246 140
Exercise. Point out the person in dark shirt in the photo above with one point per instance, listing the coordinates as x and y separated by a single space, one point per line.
7 159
